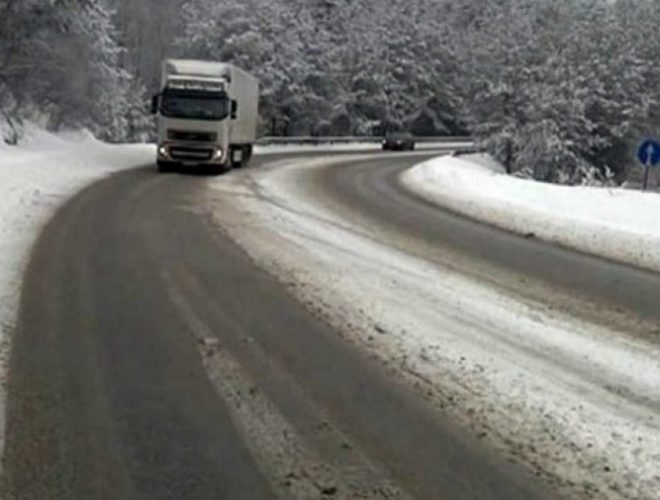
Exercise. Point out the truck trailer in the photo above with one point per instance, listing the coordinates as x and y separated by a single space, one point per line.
207 115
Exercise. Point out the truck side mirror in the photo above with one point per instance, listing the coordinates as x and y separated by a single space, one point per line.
155 101
234 110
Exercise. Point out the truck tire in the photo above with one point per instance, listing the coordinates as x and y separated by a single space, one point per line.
230 160
219 169
165 167
246 155
237 164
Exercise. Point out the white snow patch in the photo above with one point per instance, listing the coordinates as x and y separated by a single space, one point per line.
35 178
617 224
574 401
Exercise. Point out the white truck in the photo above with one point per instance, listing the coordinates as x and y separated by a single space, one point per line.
207 115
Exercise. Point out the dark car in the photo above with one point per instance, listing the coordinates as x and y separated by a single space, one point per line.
400 141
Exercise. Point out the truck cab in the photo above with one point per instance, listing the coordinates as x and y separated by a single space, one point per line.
206 114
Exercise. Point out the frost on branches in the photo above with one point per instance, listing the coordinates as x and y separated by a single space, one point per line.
555 89
60 65
563 87
333 68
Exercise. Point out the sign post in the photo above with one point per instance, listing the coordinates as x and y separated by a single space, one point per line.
649 156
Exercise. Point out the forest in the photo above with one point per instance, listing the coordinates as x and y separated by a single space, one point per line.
555 89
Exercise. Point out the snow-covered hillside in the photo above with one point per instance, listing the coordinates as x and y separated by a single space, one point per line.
613 223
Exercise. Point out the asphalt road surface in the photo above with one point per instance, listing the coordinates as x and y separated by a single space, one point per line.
110 395
372 190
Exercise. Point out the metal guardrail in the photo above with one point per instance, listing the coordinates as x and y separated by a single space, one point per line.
305 140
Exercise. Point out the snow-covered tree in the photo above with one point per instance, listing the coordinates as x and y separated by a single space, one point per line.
61 63
558 89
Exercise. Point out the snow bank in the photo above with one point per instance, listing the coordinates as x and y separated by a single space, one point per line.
612 223
35 178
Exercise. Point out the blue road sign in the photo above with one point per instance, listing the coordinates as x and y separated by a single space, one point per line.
649 153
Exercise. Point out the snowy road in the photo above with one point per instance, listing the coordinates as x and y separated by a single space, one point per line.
307 329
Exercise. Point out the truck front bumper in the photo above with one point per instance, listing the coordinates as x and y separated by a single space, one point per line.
191 154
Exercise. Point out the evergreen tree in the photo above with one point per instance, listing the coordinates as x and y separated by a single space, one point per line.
555 89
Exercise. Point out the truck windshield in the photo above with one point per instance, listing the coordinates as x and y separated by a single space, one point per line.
195 105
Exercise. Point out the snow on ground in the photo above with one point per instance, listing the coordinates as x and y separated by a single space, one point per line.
35 178
613 223
577 403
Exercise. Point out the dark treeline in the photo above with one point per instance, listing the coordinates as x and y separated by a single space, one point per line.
557 89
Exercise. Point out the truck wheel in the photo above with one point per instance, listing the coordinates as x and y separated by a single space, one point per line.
245 156
236 164
219 169
165 167
248 153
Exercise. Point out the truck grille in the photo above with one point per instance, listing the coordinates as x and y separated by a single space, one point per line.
189 136
191 154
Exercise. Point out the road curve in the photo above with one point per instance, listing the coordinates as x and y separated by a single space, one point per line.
583 284
109 391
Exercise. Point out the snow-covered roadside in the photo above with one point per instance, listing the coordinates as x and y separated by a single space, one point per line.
613 223
575 402
35 178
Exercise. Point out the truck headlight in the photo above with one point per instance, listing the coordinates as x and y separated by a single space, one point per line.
162 150
217 154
